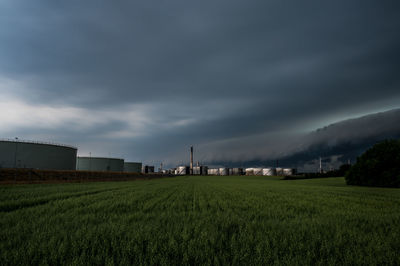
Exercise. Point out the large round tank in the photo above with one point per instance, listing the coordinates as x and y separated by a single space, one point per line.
269 171
37 155
100 164
133 167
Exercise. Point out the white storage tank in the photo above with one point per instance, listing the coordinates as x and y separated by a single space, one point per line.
223 171
249 171
269 171
196 170
213 171
258 171
183 170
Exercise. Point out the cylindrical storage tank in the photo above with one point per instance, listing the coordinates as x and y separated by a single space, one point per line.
258 171
279 171
288 171
183 170
197 170
269 171
213 171
237 171
249 171
223 171
147 169
100 164
132 167
37 155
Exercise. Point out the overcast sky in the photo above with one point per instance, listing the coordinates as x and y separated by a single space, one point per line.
144 80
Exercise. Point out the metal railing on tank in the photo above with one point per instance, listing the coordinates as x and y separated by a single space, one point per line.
38 142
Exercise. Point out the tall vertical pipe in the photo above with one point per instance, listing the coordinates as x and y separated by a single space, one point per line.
191 160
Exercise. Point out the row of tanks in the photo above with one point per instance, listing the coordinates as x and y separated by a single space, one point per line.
224 171
16 153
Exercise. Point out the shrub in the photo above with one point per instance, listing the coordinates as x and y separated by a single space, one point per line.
379 166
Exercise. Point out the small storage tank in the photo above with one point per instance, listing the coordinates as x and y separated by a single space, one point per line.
249 171
132 167
279 171
147 169
289 171
213 171
223 171
100 164
196 170
269 171
183 170
258 171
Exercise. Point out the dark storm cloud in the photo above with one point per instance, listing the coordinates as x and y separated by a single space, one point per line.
199 73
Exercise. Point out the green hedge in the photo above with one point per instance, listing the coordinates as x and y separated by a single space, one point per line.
379 166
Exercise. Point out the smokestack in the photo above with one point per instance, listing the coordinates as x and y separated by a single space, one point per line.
320 165
191 160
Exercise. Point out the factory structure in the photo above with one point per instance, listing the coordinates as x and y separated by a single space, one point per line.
49 156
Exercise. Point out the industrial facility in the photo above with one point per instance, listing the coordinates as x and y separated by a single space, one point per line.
224 171
48 156
37 155
100 164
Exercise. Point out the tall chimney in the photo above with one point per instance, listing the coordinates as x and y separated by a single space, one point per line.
320 165
191 160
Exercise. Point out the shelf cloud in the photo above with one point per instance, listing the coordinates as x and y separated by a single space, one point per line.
144 80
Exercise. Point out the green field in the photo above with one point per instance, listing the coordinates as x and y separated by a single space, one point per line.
200 220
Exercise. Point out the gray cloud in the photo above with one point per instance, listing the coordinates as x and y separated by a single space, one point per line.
146 79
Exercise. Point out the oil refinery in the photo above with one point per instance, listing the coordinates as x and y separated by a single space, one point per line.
21 154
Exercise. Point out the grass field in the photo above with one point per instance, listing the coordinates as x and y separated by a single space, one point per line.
200 220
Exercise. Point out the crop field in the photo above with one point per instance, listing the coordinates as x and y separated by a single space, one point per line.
239 220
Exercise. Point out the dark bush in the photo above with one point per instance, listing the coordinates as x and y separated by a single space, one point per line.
379 166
